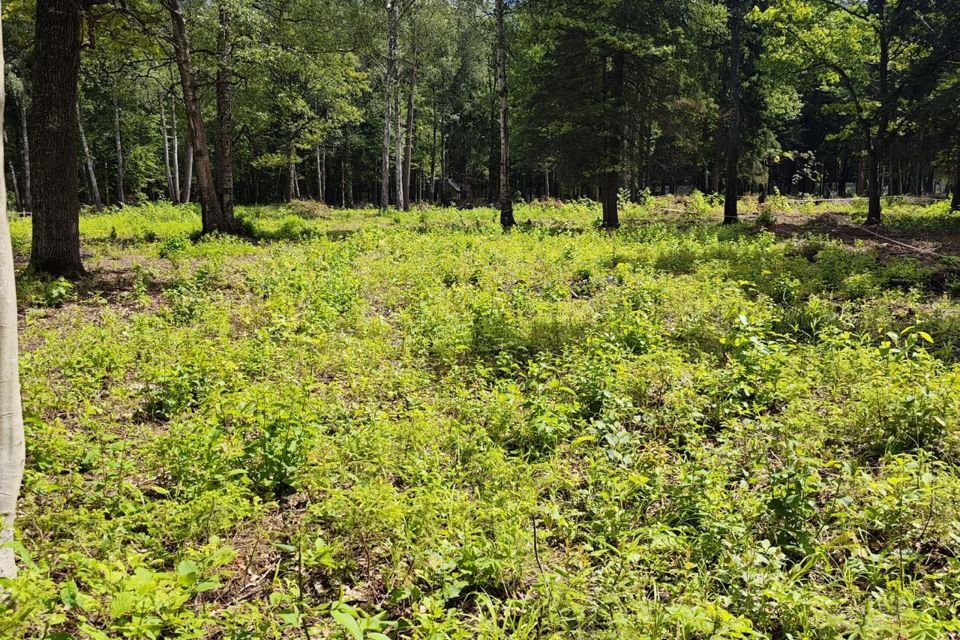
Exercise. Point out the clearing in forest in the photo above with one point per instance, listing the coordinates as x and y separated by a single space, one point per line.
419 426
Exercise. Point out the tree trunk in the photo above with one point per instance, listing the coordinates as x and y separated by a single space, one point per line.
348 174
53 127
443 164
12 450
398 151
27 203
188 177
873 186
433 156
955 200
714 185
385 155
507 220
166 151
118 141
91 166
13 175
211 213
731 190
321 170
175 153
609 191
225 116
610 181
878 143
842 188
408 154
392 19
291 175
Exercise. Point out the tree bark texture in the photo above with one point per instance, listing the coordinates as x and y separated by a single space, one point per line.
53 127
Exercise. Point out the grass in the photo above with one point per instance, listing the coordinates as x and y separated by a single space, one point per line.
412 425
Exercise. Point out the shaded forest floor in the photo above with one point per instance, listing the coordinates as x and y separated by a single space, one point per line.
414 425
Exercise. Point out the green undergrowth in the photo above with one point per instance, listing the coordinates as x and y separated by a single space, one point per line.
412 425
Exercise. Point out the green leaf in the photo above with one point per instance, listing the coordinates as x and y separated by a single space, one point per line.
291 618
188 573
348 622
122 604
209 585
187 568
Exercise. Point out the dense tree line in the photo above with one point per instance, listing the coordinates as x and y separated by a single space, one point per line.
391 102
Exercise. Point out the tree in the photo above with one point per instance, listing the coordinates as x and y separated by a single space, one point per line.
118 142
12 451
178 195
604 67
955 200
16 87
389 74
54 129
506 194
90 164
735 25
411 130
166 152
303 87
932 83
862 48
225 112
214 218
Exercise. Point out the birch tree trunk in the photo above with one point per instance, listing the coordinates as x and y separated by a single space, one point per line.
443 163
12 451
88 158
398 161
291 175
506 193
392 17
166 151
13 175
27 204
188 176
177 197
121 196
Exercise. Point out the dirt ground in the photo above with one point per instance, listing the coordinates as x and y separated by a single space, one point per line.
923 244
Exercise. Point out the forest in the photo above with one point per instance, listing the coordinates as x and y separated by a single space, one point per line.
499 319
